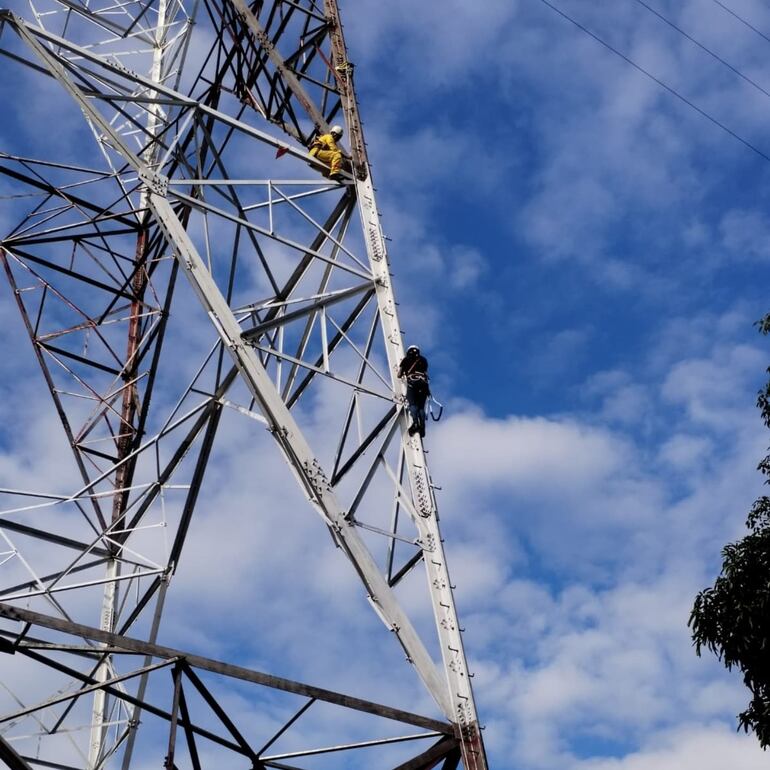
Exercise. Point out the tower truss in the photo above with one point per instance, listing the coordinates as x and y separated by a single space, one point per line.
187 209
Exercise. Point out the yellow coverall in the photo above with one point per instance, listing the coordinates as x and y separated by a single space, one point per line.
325 149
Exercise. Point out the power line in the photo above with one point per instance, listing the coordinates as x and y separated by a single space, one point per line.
652 77
742 20
703 47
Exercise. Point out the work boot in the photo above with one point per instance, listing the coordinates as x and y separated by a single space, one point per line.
336 176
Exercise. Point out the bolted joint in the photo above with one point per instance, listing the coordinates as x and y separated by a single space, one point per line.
158 183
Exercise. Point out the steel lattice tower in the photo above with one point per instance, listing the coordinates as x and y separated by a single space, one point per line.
180 104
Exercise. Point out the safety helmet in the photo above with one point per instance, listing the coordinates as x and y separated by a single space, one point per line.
336 131
413 348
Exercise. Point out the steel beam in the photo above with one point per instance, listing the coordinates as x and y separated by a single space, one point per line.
296 450
136 646
458 683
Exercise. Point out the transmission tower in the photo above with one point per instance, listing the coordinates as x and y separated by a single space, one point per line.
176 105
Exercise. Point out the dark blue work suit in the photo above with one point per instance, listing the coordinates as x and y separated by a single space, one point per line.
415 368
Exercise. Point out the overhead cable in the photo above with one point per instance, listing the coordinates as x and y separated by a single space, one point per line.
703 47
742 20
663 85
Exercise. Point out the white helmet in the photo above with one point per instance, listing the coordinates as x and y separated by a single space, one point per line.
336 131
413 347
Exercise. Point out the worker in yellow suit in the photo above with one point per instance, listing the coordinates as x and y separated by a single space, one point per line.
325 148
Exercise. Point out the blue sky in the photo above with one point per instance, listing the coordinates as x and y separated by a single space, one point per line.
596 347
579 254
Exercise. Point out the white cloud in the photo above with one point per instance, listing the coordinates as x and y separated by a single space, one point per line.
708 747
577 537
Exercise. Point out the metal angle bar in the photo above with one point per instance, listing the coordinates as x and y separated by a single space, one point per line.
78 649
335 341
47 591
231 196
353 406
348 746
11 758
216 667
51 387
195 485
391 535
341 212
452 760
319 370
18 23
29 493
41 724
75 674
25 62
139 17
394 518
104 320
162 583
101 20
406 568
286 726
455 665
28 584
317 226
282 766
50 537
80 359
63 233
53 765
295 448
177 679
243 410
364 445
133 98
200 205
29 35
278 305
345 206
115 746
430 757
29 161
362 356
402 494
378 458
327 300
85 690
102 214
189 734
306 11
209 182
289 77
219 711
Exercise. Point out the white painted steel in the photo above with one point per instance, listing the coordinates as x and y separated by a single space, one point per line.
459 690
450 687
296 449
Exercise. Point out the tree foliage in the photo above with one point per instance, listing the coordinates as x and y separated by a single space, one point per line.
732 617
